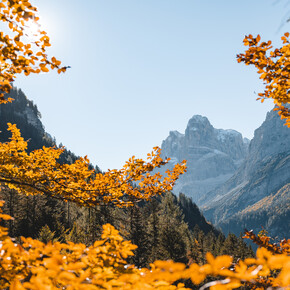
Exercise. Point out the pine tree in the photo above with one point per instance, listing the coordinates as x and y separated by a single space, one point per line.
174 232
46 235
138 235
152 212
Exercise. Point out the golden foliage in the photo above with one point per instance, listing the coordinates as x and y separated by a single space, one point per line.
262 240
22 49
274 69
35 265
39 172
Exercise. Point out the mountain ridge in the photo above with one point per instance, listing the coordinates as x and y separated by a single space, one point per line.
257 169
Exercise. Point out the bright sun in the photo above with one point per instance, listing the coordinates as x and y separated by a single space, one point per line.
32 29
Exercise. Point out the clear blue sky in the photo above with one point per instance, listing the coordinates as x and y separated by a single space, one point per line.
141 68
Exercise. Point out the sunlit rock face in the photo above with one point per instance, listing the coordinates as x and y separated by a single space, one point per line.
254 186
213 155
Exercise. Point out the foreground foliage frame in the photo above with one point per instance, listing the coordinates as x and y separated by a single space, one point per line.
36 265
32 264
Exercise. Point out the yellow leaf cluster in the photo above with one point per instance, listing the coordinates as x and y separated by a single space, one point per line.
264 241
38 172
35 265
274 69
21 52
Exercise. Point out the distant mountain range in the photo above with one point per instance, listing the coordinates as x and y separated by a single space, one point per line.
237 183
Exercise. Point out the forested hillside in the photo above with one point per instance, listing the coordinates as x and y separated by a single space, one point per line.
272 213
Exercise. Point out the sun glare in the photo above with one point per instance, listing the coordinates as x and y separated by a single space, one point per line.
32 29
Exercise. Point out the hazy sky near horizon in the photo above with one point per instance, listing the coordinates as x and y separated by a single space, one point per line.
141 68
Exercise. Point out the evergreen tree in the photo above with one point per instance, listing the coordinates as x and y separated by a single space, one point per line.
193 216
138 235
46 235
152 211
174 232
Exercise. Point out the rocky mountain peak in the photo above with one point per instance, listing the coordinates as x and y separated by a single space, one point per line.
171 146
199 122
212 155
199 131
175 134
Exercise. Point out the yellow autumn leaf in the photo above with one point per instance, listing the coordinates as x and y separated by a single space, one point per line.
44 69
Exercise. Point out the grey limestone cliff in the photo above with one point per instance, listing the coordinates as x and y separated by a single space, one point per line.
263 173
213 155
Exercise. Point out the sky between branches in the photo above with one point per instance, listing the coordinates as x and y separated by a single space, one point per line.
142 68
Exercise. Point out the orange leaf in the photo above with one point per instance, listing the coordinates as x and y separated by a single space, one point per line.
44 69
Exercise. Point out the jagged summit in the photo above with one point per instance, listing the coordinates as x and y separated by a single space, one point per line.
224 134
212 155
198 120
176 133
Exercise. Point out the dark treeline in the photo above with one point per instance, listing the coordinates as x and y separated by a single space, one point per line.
162 228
